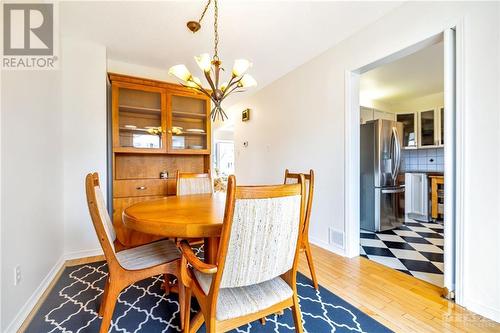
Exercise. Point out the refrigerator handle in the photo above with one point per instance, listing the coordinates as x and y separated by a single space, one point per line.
390 191
397 153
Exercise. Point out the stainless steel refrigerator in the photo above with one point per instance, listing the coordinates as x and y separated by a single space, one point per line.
380 163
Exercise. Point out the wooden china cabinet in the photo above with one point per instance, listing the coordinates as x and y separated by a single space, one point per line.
157 129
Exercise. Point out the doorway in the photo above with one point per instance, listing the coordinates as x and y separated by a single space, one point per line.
452 163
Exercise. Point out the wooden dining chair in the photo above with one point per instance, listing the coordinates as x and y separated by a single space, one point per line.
304 246
194 183
130 265
255 272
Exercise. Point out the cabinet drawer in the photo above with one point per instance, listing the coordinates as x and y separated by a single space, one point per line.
139 187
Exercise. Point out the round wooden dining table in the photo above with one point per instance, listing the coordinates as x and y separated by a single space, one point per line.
186 216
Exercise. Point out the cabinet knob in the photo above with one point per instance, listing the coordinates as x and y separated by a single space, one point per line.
140 188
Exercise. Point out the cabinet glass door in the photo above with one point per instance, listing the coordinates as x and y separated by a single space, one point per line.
409 133
427 129
190 124
139 119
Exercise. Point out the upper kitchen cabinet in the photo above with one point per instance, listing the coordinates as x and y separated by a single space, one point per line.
423 129
427 128
409 121
189 124
139 118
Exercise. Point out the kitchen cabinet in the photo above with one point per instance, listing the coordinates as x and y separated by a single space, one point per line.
409 121
422 129
427 128
368 114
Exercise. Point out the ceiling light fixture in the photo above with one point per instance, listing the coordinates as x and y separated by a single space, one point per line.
212 66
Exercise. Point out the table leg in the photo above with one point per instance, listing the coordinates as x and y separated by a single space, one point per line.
210 249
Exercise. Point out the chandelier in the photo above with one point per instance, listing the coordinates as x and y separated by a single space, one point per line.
211 68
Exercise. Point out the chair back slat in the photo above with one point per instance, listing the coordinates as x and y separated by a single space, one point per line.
194 183
99 214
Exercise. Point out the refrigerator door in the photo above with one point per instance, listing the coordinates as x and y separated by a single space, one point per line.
388 214
388 138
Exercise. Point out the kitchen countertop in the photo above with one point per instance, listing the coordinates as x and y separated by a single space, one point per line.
429 173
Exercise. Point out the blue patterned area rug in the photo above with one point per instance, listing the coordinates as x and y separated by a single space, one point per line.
73 303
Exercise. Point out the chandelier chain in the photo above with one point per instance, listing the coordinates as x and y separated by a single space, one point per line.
216 32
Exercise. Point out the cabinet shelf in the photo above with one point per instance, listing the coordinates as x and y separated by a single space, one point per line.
188 114
139 109
141 130
190 134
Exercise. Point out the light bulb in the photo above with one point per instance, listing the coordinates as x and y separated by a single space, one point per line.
241 66
204 62
223 86
247 81
180 71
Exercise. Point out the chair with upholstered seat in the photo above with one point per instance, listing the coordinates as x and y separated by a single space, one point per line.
304 246
194 183
131 265
255 272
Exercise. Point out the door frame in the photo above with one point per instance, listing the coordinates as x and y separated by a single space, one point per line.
352 151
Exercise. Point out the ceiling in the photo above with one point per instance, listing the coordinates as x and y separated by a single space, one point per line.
416 75
277 36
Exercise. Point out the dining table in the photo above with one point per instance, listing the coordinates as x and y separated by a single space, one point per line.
184 216
187 216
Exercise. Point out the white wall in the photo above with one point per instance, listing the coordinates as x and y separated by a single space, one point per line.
83 79
298 123
419 104
223 135
374 104
32 189
121 67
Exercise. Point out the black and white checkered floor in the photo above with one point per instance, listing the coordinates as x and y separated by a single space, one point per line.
415 248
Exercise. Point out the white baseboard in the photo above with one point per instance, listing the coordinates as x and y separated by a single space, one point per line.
329 247
83 254
483 310
31 302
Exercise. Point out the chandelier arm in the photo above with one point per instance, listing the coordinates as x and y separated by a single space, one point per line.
228 90
235 82
230 83
199 89
217 72
229 93
209 79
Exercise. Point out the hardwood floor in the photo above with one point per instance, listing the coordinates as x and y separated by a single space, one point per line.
397 300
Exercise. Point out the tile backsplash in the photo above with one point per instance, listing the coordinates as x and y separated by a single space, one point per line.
428 159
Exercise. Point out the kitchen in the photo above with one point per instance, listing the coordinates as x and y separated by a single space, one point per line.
402 164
